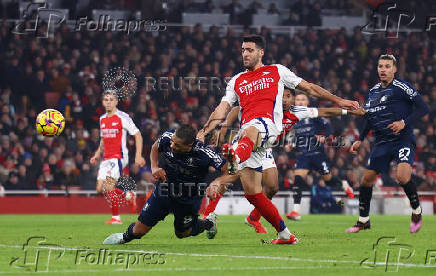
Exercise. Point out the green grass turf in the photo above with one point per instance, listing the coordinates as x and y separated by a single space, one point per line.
323 248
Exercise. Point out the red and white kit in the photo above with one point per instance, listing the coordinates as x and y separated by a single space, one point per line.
260 94
113 131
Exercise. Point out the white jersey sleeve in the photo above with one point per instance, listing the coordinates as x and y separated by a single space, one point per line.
288 77
231 97
304 112
128 124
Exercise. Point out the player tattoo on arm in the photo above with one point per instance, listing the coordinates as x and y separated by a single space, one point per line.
217 116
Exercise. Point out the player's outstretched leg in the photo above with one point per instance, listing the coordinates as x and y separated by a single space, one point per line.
195 226
365 195
135 231
251 182
270 187
404 172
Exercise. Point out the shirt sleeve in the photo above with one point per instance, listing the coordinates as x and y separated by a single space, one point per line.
288 77
365 130
324 127
164 140
215 159
231 97
420 108
129 125
303 112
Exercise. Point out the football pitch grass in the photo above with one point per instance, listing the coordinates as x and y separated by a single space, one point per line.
72 245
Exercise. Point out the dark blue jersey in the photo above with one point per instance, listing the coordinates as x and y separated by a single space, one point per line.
186 172
305 131
393 103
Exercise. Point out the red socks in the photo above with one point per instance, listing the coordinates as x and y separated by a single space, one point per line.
267 209
255 215
115 200
244 149
212 205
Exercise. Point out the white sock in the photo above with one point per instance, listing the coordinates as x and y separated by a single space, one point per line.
345 185
285 234
417 211
116 217
297 208
363 219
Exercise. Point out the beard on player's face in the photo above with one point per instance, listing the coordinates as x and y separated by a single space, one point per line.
250 61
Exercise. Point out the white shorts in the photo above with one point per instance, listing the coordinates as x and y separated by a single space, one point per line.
268 133
111 167
268 161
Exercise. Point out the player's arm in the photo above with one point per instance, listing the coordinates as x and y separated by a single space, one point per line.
97 154
157 172
221 184
319 92
326 112
216 118
420 109
139 160
220 112
292 81
231 117
365 130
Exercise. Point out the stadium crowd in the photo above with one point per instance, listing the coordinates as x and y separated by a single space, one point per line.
181 77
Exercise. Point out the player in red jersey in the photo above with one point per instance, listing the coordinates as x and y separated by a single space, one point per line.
259 91
114 126
270 174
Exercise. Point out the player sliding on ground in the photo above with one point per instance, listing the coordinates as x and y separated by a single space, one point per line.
392 107
114 125
180 187
291 116
260 92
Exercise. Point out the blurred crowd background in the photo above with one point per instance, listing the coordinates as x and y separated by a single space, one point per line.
65 72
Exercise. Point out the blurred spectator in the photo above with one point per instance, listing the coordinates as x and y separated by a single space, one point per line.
73 64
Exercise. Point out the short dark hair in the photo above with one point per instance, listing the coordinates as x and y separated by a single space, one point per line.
257 39
301 93
290 89
389 57
112 92
187 133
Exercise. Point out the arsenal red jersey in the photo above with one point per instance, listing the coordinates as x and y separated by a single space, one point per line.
113 131
260 92
294 115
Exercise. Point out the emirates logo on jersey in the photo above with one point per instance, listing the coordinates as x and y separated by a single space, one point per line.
263 83
109 132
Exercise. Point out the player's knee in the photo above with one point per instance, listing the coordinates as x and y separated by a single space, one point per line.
368 181
271 191
403 178
182 235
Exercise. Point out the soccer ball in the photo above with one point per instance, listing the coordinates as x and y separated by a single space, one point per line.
50 122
